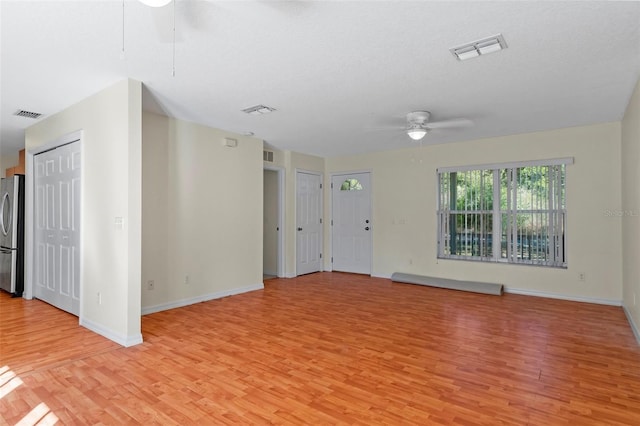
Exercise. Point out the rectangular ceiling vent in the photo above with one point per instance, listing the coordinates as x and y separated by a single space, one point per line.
27 114
479 47
267 156
258 110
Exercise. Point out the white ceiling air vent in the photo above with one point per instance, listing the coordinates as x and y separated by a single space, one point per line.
267 156
258 110
479 47
27 114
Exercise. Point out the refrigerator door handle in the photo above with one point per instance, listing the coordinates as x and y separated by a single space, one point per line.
4 227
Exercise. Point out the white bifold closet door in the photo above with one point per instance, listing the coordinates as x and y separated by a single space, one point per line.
57 227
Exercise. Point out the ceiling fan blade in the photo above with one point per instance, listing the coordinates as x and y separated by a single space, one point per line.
385 129
163 21
190 15
446 124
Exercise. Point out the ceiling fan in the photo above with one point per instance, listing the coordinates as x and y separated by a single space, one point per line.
418 124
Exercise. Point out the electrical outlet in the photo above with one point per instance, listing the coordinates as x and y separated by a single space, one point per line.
99 298
186 279
582 276
151 285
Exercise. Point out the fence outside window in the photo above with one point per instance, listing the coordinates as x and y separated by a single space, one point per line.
512 213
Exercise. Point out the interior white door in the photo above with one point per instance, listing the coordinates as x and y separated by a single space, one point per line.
351 222
57 227
308 223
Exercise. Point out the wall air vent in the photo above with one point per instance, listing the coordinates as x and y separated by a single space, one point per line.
27 114
267 156
258 110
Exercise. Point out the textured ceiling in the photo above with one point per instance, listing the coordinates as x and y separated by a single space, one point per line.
333 69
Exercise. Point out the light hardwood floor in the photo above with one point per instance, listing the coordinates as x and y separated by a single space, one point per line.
328 348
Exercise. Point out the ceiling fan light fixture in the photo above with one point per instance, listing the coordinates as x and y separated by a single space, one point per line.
416 133
155 3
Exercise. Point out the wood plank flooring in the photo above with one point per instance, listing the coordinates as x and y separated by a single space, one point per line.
328 348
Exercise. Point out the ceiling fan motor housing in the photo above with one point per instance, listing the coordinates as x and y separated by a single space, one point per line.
418 117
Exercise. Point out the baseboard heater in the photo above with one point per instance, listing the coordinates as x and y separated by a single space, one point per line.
473 286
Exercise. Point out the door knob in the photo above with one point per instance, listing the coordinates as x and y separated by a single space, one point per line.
366 229
299 229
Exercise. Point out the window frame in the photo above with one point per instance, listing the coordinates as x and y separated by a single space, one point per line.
443 216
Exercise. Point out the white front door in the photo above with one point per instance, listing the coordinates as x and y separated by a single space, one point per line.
57 227
308 223
351 222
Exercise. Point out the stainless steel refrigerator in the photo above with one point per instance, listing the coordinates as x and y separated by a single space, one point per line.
12 234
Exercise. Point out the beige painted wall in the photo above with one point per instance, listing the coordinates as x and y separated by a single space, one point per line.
278 157
111 155
630 213
202 213
270 223
404 210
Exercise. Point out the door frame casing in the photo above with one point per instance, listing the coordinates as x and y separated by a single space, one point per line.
295 216
373 222
72 137
281 207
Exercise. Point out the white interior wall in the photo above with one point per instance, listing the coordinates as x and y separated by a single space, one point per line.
404 210
110 121
203 202
630 213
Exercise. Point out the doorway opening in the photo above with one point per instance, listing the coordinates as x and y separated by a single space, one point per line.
273 219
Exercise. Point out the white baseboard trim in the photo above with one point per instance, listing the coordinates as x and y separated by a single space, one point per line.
381 276
634 327
120 339
205 297
611 302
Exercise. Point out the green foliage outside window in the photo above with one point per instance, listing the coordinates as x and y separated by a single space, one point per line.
351 185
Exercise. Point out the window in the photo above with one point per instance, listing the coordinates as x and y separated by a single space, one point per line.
512 213
351 185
